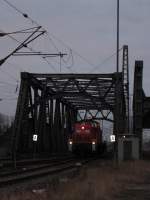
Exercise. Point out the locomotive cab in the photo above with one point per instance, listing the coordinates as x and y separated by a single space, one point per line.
86 137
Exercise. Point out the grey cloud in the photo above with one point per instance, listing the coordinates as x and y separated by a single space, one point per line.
88 26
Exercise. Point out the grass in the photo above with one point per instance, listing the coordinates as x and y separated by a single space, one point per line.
100 181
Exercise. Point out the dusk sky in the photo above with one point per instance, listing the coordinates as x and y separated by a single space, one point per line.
80 28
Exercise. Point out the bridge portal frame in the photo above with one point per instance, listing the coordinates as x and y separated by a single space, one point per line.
48 105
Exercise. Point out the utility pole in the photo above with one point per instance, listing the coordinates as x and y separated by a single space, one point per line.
117 90
117 59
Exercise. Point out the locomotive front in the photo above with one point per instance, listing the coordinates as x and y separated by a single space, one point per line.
86 137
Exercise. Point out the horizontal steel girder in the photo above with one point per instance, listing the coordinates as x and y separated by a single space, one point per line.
77 90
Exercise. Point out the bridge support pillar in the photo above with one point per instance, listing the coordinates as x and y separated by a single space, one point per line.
138 103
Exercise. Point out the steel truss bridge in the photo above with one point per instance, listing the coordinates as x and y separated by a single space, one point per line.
49 104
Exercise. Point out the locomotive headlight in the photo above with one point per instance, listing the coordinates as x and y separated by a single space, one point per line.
82 127
93 146
70 145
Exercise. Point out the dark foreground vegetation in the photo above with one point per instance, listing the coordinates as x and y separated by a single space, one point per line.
98 181
5 124
5 135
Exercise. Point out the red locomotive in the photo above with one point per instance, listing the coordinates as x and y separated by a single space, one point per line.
86 137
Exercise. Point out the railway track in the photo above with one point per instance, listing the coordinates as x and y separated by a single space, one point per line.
33 172
8 163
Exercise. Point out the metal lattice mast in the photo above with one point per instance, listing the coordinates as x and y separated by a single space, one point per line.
125 71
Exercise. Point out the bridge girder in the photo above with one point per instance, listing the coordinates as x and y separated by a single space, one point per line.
48 105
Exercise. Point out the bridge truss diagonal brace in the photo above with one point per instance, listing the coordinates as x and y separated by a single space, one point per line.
48 103
20 114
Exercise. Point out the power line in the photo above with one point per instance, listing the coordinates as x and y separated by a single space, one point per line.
70 56
63 43
7 83
23 44
10 75
104 61
42 55
31 49
28 30
15 8
25 15
9 90
8 99
13 38
73 50
52 42
50 64
18 66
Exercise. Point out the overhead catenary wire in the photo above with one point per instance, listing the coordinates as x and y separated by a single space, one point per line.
8 99
31 49
15 86
7 83
63 43
70 56
25 43
52 42
10 75
104 61
8 93
33 21
50 64
6 90
13 78
73 50
18 66
15 8
25 15
28 30
13 38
